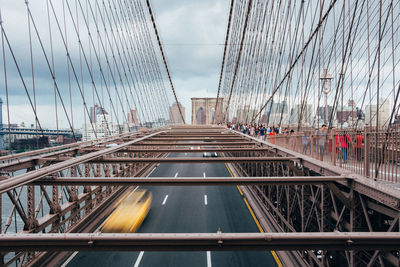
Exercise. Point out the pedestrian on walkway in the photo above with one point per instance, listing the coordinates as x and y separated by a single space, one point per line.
358 145
306 142
320 136
345 142
262 132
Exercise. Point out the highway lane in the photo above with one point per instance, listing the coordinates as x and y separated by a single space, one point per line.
188 209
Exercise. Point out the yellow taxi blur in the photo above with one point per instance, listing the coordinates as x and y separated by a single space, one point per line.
130 212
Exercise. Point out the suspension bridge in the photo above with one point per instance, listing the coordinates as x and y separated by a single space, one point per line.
299 165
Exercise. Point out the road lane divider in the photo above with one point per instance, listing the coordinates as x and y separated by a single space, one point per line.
209 259
204 174
273 253
139 259
69 259
205 200
165 200
176 175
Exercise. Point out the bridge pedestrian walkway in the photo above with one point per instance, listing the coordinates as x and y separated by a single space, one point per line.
375 170
372 155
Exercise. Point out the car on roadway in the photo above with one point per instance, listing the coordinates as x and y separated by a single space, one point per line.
129 213
111 145
210 154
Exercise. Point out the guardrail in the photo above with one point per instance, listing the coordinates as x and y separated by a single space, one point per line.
373 154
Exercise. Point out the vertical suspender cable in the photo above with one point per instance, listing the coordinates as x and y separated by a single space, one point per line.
223 59
33 73
240 53
164 59
6 87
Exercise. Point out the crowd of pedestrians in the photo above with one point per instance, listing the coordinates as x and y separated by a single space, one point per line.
302 142
256 130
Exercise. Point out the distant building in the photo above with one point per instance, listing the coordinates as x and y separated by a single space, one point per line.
396 122
321 112
347 114
174 114
132 117
101 128
93 112
302 114
246 114
242 114
278 113
203 110
264 119
384 114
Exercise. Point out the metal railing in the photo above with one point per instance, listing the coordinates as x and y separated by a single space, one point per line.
373 154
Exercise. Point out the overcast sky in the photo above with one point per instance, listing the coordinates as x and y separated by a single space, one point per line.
192 32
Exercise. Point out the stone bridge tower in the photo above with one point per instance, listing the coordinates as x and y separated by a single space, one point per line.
203 110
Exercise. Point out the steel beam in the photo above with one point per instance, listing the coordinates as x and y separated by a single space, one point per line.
166 143
26 178
200 241
67 147
181 160
192 160
189 181
185 139
188 150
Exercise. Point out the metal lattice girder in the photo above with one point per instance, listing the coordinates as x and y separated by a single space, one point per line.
188 150
228 138
200 241
24 179
190 181
188 160
245 143
68 147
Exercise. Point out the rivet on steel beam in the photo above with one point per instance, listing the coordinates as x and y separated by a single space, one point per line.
220 242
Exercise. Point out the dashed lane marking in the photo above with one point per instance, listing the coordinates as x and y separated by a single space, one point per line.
208 258
139 258
69 259
165 200
278 261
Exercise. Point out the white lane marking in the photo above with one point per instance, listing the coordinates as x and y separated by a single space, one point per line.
152 171
205 200
165 200
204 174
69 259
176 175
208 259
139 258
101 225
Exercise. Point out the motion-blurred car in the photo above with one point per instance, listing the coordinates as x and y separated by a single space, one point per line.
210 154
130 213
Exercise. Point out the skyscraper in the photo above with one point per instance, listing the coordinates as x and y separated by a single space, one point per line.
93 112
174 114
132 117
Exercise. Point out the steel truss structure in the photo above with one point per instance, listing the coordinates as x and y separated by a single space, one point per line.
320 213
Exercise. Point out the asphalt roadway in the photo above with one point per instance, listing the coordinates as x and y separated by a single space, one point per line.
197 209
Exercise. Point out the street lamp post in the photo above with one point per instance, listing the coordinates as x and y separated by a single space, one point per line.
326 84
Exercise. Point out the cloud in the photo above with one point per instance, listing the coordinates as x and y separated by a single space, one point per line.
192 32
